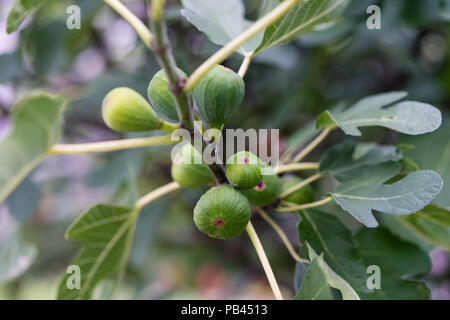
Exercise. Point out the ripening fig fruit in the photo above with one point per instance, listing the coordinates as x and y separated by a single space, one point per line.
161 97
222 212
301 196
218 94
125 110
189 170
265 192
243 170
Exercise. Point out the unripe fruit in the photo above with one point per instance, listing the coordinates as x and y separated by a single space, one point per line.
243 170
301 196
161 97
265 192
189 170
218 94
125 110
222 212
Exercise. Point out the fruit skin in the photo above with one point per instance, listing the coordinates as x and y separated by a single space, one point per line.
161 97
243 170
301 196
189 170
265 192
125 110
218 94
222 212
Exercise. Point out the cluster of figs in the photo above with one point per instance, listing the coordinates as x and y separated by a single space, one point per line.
223 211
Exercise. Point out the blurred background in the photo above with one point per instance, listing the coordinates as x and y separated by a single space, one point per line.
287 87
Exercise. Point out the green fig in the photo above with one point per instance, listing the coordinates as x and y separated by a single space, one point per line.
161 97
265 192
218 94
301 196
222 212
243 170
125 110
189 170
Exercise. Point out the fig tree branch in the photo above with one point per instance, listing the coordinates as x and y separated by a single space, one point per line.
298 167
108 146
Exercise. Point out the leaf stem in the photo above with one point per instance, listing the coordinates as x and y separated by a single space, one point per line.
229 48
155 194
107 146
264 261
244 66
294 207
300 185
312 145
282 236
140 28
298 167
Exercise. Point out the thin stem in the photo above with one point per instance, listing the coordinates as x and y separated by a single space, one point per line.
142 31
107 146
300 185
229 48
293 207
282 236
298 167
244 66
312 145
155 194
264 261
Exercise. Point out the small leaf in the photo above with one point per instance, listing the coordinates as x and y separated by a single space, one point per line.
407 117
361 195
320 278
222 22
37 121
16 255
431 224
350 256
19 11
302 18
346 160
106 233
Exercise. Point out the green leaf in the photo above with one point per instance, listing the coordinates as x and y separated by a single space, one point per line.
407 117
106 233
366 192
302 18
346 160
16 255
37 121
222 22
350 256
431 224
22 210
19 11
433 152
320 278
